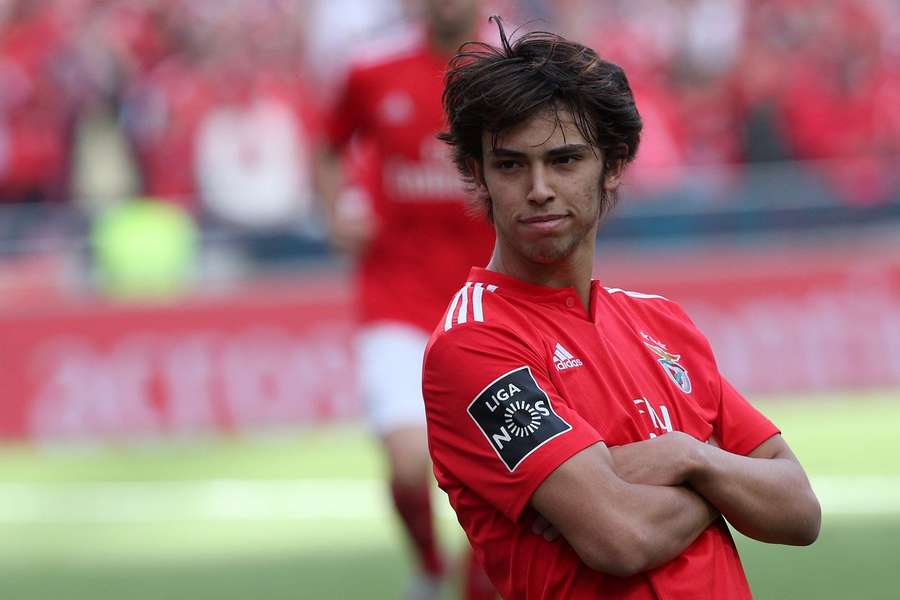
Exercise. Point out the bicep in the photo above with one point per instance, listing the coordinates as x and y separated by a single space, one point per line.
569 491
739 426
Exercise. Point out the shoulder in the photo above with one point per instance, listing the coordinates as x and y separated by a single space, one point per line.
479 322
465 321
480 309
645 304
657 315
612 291
468 307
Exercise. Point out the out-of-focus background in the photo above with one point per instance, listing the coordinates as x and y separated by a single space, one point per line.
177 390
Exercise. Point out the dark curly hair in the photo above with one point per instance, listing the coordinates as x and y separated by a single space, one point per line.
490 89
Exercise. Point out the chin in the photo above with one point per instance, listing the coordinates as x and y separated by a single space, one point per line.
547 255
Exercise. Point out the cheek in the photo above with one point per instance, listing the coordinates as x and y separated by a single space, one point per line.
586 197
503 194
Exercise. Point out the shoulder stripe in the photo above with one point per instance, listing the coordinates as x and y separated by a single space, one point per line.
634 294
477 308
490 288
477 302
448 322
464 305
461 300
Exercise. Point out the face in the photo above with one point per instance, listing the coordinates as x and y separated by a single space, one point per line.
545 186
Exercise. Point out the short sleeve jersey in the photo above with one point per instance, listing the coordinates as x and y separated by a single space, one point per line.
518 378
426 239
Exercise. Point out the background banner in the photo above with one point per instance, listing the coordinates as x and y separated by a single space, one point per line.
784 320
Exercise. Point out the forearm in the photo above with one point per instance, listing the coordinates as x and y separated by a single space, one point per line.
768 499
669 519
615 526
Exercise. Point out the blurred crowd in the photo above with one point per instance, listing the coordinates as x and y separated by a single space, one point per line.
731 82
172 99
211 102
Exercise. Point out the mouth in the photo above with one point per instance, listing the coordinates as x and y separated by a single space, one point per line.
544 223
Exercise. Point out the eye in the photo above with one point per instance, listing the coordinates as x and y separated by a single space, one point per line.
506 165
566 159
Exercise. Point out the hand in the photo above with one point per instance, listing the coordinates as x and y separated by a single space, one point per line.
669 459
543 527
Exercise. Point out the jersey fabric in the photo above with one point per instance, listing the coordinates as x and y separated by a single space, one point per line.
425 240
518 378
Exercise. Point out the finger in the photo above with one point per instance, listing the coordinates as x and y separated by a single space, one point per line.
540 525
551 534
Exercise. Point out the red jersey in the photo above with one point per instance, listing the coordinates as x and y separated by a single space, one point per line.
166 109
425 240
518 378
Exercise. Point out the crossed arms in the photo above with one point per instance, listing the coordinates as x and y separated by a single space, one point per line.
630 508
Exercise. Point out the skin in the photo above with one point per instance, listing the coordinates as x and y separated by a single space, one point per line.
627 509
545 183
764 495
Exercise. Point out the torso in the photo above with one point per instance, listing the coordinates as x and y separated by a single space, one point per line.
632 366
427 238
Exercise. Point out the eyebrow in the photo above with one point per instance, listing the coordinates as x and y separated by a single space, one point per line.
558 151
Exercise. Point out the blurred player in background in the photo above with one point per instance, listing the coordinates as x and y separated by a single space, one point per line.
558 406
413 241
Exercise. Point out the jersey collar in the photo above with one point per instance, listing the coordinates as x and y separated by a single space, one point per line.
565 298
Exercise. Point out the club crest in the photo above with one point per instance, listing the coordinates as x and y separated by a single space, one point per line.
669 363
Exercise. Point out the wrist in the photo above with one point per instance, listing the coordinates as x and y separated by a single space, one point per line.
700 461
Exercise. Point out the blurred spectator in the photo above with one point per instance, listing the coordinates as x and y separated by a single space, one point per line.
834 104
224 123
727 82
253 147
36 109
336 27
214 104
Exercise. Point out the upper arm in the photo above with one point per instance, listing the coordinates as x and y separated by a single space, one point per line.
496 423
347 115
740 427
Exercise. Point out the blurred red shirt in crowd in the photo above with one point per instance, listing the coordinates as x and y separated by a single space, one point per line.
35 117
424 240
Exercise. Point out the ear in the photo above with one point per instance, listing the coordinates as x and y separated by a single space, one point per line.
481 190
613 176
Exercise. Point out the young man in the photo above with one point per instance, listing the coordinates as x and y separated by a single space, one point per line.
557 406
413 247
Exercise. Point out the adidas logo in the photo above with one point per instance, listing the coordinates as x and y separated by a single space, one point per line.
563 359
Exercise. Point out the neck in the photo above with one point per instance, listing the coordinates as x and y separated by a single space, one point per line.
573 271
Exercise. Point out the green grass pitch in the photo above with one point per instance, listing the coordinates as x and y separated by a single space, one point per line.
302 515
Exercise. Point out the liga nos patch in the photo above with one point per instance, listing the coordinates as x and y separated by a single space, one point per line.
516 416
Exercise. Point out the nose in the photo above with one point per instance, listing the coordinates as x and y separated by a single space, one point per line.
540 192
